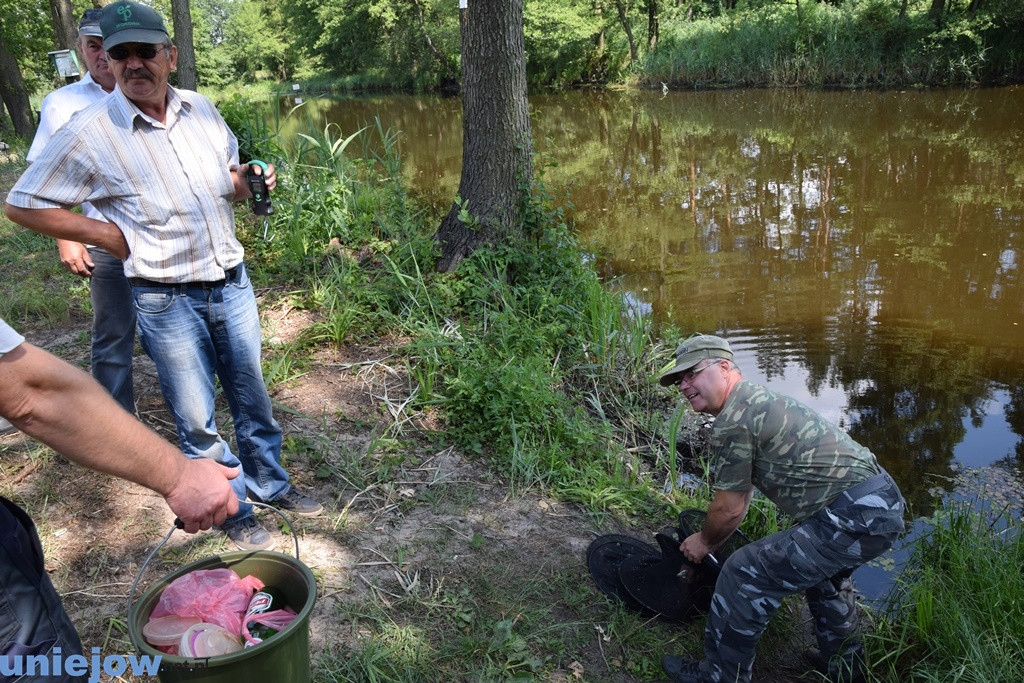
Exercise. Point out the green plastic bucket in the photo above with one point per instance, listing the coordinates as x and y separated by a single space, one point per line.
283 657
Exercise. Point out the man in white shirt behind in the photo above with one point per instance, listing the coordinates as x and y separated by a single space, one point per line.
113 323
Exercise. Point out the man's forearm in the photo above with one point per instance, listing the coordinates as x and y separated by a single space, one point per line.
67 410
725 514
67 225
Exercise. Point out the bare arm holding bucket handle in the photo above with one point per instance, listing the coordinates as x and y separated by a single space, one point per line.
67 410
725 513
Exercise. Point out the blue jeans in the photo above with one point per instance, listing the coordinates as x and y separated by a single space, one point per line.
194 332
113 327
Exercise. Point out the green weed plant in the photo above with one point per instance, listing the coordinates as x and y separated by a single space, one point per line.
956 613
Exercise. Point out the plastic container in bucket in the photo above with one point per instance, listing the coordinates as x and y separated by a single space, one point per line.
283 657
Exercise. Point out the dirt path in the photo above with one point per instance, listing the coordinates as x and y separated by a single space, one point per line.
385 538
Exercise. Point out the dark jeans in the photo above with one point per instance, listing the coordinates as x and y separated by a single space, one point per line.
32 620
113 327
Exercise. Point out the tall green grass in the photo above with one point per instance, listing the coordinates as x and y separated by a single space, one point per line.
958 612
36 287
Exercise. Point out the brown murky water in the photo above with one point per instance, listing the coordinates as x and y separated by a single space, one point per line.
863 251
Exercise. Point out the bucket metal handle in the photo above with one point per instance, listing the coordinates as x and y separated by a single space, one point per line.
179 525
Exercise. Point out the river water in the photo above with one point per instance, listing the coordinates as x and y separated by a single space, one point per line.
862 251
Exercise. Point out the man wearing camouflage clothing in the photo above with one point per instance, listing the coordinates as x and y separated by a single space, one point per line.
847 511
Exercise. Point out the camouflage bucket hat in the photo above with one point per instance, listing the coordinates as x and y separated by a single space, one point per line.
692 351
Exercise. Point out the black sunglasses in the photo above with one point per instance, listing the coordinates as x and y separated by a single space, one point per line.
120 52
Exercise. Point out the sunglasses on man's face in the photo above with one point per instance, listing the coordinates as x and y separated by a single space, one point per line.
120 52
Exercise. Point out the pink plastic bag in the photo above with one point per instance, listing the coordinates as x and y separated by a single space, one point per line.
217 596
276 619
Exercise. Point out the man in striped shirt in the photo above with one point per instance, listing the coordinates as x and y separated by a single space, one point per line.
163 168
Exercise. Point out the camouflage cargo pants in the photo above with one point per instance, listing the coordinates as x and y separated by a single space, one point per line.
817 557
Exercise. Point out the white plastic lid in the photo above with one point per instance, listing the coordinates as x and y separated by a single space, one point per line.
167 630
208 640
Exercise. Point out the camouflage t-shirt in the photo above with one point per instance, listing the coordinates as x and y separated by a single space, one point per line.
790 453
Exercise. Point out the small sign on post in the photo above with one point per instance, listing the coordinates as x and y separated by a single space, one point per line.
66 63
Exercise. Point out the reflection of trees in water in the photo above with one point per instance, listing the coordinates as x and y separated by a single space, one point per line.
912 409
872 243
873 238
1015 417
907 397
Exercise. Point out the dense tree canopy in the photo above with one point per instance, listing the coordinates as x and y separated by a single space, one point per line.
402 44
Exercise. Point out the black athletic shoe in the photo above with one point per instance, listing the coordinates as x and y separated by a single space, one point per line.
682 669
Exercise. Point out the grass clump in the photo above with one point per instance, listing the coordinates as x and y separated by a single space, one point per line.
956 612
36 286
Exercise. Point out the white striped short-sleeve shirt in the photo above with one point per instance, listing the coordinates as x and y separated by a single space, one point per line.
57 109
165 185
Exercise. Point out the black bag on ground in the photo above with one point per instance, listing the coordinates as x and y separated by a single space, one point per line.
659 581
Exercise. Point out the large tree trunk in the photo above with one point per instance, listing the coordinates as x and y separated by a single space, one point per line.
64 26
5 124
13 93
182 19
652 25
624 20
497 145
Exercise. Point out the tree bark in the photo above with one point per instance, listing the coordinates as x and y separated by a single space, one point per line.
624 20
652 25
497 144
65 29
13 93
6 131
182 19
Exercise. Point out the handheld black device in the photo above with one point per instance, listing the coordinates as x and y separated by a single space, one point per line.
258 186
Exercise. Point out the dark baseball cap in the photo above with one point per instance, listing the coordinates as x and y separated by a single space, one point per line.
131 22
692 351
90 23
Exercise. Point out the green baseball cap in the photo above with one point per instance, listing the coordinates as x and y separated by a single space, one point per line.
131 22
692 351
